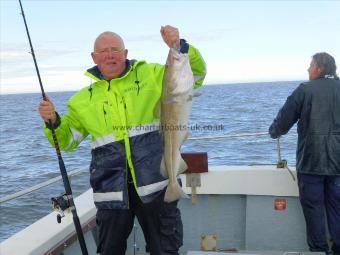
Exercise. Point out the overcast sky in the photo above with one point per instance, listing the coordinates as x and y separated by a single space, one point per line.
241 41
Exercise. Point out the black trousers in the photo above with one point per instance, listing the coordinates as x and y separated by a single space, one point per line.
160 221
320 197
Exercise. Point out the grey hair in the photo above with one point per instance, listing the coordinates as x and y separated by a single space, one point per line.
326 62
108 33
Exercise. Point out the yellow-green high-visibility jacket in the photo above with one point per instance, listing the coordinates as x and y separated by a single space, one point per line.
120 117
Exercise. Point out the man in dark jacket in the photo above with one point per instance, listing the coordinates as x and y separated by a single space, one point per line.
315 105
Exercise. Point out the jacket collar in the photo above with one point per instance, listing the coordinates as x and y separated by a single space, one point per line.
95 73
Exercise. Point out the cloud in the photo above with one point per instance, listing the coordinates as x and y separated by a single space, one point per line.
15 55
21 66
18 69
18 74
219 72
212 35
56 80
256 70
207 36
142 38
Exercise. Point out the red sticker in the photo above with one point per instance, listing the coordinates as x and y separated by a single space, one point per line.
280 204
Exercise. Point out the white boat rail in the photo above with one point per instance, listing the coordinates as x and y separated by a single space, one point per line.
228 136
39 186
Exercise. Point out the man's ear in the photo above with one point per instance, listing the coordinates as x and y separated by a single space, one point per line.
320 70
126 53
93 57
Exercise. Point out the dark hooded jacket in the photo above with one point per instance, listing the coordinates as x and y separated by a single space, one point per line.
315 105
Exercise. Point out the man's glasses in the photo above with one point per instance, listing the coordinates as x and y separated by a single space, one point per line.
106 51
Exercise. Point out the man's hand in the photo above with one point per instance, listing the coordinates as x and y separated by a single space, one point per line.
170 36
47 111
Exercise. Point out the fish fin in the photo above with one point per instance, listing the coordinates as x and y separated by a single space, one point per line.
186 136
174 192
182 166
183 138
163 171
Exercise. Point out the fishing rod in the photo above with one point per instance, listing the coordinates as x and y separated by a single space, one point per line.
63 172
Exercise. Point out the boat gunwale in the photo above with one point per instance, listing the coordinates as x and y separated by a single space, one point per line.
71 238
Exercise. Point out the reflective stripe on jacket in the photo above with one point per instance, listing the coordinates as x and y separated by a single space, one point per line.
120 117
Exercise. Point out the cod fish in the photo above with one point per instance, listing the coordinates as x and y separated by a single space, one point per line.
176 102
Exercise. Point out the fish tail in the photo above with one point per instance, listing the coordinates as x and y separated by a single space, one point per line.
174 192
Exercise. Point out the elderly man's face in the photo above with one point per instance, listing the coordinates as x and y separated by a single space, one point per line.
110 56
314 71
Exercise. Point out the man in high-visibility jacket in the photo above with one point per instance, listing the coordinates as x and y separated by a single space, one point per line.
118 111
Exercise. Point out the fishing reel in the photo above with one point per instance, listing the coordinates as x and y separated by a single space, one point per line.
60 204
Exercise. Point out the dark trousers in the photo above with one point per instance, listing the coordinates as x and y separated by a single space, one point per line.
320 197
161 224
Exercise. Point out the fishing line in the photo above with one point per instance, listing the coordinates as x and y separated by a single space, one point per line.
63 172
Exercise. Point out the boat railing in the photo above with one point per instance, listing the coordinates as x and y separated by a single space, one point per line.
228 136
82 171
39 186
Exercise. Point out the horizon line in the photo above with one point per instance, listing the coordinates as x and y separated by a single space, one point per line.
208 84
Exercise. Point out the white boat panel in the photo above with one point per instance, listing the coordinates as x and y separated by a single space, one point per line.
46 233
246 180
